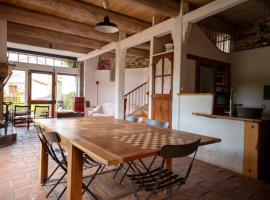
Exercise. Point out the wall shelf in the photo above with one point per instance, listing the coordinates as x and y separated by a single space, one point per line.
162 53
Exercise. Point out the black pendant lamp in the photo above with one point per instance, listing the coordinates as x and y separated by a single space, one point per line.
106 26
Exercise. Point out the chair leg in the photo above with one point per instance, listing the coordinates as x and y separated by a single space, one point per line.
121 165
149 196
93 177
62 193
56 184
129 166
45 182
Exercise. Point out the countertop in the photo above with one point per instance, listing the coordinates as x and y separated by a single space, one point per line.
227 117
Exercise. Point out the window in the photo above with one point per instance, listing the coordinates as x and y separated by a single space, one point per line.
14 90
58 63
41 86
49 61
13 56
223 42
32 59
66 91
23 58
41 60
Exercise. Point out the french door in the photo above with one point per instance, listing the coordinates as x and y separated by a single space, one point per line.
162 87
42 89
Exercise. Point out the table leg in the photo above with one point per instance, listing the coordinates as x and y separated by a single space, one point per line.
169 164
169 167
43 164
75 173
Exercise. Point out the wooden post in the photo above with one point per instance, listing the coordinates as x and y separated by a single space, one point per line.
120 63
3 56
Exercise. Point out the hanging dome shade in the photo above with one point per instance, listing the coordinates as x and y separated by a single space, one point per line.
106 26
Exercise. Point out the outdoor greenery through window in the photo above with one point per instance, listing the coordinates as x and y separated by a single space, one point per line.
40 60
14 90
66 91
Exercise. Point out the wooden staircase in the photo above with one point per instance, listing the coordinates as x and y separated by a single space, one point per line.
136 101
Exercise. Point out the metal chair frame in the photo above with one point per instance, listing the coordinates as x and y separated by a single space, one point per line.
44 114
52 139
160 179
132 164
154 122
133 119
27 113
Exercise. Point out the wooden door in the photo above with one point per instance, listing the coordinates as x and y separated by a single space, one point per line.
162 87
42 89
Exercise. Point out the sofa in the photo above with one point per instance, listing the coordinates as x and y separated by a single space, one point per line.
103 110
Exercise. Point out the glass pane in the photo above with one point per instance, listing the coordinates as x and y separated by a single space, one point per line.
41 86
41 60
167 66
66 91
33 59
158 84
42 110
13 56
167 85
69 64
23 58
159 68
57 63
49 61
14 90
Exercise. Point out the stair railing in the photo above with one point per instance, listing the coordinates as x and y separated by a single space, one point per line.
136 99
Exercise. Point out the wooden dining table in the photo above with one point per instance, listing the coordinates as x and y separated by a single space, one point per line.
108 141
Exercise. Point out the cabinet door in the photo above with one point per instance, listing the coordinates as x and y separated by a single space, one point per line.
251 140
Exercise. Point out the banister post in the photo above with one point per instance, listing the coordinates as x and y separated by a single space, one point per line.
125 107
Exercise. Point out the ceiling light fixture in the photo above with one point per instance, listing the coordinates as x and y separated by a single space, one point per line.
106 26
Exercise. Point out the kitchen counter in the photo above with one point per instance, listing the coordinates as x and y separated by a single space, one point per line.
227 117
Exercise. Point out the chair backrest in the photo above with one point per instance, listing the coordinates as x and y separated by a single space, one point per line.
22 110
177 151
42 110
51 142
162 124
133 119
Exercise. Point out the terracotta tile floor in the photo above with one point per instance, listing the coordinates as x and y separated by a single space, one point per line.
19 178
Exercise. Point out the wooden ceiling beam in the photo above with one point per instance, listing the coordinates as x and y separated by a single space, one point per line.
47 37
45 44
168 8
81 12
52 36
31 18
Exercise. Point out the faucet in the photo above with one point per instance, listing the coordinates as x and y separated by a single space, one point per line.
232 102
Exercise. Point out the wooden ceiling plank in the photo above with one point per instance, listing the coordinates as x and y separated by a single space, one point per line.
53 36
80 12
217 24
210 9
165 7
45 44
31 18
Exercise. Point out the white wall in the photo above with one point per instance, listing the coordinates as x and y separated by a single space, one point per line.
133 78
90 67
229 152
198 44
250 71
